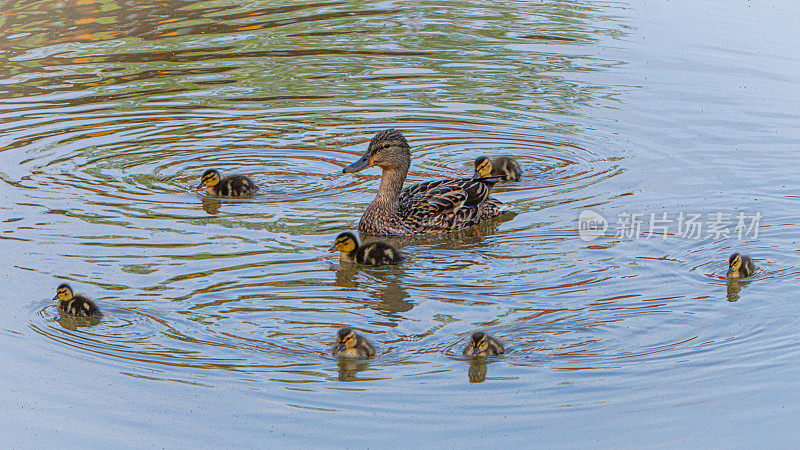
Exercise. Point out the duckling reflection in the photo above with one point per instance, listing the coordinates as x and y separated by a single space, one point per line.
211 205
384 285
351 344
740 266
735 286
349 368
505 167
477 370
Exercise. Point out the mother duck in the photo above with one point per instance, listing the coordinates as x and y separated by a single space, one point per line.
424 208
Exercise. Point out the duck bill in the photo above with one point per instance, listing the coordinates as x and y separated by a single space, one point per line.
362 163
332 249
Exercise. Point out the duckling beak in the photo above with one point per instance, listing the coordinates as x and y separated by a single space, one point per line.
332 249
55 298
340 348
362 163
200 185
476 351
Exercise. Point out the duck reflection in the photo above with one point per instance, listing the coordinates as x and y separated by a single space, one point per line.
477 370
72 322
386 288
480 346
349 367
454 240
211 205
735 286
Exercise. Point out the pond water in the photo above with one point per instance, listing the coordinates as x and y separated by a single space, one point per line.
674 123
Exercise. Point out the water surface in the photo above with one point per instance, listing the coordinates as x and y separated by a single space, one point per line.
220 314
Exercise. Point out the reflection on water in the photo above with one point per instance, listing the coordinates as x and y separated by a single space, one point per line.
735 286
72 322
112 109
477 370
384 284
349 368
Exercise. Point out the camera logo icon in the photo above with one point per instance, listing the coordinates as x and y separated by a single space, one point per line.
591 225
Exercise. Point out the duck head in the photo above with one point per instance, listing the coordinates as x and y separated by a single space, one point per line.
734 264
63 293
479 343
345 338
483 166
388 150
345 243
209 178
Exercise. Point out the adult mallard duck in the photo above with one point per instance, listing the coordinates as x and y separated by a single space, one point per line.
505 167
740 266
481 344
350 343
230 186
424 208
372 254
75 304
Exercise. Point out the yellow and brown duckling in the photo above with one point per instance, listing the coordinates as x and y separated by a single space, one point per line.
505 167
372 254
349 343
230 186
740 266
75 304
481 344
431 207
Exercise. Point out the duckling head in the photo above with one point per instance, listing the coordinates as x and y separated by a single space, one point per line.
345 243
388 150
479 343
483 166
734 264
63 292
345 338
209 178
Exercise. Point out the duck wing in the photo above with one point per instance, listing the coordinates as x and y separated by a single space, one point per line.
426 200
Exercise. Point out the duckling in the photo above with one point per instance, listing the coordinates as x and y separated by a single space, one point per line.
740 266
481 344
348 343
505 167
373 254
75 304
230 186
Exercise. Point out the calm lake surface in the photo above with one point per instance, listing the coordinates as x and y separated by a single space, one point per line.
676 123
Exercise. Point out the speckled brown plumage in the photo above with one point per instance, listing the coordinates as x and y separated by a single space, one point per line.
424 208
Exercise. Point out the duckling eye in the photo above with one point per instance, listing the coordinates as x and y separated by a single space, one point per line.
386 145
